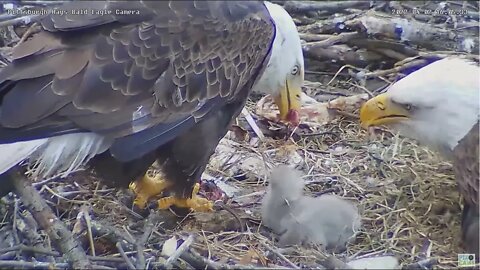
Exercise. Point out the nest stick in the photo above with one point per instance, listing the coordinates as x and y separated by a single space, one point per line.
280 255
56 230
183 247
124 256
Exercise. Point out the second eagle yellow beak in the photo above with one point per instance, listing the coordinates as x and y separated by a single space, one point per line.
380 110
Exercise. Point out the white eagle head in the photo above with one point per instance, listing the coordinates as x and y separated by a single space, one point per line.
284 74
437 104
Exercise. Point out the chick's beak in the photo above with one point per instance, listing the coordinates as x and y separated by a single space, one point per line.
380 110
289 104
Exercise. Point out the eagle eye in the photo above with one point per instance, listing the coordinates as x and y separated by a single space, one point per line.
295 70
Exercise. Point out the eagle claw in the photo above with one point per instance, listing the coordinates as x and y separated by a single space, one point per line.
146 188
195 203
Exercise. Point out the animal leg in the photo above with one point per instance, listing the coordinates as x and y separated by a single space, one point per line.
146 188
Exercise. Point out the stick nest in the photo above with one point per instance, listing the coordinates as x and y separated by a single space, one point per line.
407 194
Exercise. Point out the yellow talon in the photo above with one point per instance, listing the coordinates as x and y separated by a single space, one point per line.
146 188
195 203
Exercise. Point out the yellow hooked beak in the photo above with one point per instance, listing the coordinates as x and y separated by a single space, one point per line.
380 110
289 103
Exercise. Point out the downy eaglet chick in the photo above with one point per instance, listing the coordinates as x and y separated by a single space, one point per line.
328 220
284 191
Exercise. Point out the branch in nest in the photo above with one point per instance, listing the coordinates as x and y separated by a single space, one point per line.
180 250
56 230
424 264
19 21
381 45
415 32
332 40
332 262
111 233
324 7
147 231
313 37
31 265
199 262
343 55
397 69
326 26
280 255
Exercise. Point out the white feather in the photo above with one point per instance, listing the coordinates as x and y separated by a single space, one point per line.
14 153
445 96
56 156
61 155
286 52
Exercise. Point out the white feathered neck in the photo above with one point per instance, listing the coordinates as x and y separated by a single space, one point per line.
286 52
445 101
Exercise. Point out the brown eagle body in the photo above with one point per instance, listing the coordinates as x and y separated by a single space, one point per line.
162 83
466 167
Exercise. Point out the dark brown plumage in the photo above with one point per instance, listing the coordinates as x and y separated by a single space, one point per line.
466 167
161 83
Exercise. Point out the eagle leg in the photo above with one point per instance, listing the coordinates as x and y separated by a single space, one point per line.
195 203
146 188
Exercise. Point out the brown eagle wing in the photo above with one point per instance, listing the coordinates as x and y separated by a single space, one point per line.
466 166
144 64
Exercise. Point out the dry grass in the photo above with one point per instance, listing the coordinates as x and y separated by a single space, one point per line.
407 194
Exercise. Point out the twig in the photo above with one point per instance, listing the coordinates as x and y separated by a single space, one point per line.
22 247
86 216
47 220
280 255
29 231
111 233
124 256
198 262
147 231
396 69
332 40
330 7
223 206
15 217
32 265
423 264
20 20
332 262
313 37
345 114
106 259
252 124
27 34
180 250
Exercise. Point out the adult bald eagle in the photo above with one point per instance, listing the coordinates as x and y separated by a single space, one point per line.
439 106
124 84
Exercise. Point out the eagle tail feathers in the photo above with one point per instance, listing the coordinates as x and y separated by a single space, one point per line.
53 157
14 153
65 154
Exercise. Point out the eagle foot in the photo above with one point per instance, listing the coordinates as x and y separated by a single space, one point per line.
195 203
146 188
